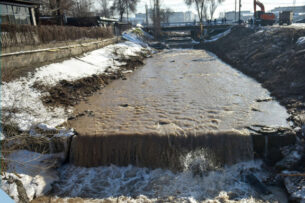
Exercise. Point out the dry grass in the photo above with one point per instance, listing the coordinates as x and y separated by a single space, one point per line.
22 35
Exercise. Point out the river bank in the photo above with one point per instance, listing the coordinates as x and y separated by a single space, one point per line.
184 109
274 56
173 139
35 140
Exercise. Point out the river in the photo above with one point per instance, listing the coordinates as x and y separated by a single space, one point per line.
176 130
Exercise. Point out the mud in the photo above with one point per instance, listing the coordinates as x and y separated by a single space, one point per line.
71 93
181 100
273 58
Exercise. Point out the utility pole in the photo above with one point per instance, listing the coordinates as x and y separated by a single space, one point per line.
158 18
239 20
127 7
235 10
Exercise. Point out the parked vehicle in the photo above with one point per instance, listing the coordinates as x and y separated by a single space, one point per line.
286 17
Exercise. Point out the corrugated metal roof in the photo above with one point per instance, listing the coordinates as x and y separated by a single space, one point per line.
28 2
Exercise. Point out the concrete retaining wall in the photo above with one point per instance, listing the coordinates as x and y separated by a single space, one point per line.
42 56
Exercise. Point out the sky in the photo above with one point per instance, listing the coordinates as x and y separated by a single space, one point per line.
228 5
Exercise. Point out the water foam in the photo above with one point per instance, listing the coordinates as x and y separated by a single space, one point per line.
210 183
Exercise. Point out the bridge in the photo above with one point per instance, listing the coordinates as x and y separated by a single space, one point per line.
193 28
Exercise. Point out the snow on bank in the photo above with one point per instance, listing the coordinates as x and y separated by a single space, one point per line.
218 36
138 36
22 105
301 41
35 171
20 96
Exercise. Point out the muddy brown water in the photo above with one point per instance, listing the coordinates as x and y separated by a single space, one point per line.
179 101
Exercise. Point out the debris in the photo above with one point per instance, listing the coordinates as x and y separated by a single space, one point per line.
301 41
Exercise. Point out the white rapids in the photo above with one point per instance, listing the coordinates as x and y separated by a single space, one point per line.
135 184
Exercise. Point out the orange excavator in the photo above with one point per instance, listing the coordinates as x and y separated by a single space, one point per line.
261 17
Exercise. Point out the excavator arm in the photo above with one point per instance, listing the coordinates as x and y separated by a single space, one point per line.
259 4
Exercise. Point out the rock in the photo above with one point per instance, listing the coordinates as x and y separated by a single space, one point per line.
257 185
274 156
22 195
292 157
295 186
270 140
30 174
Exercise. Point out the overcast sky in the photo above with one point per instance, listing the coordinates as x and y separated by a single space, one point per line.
228 5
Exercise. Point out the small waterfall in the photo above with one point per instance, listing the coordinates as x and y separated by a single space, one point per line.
160 151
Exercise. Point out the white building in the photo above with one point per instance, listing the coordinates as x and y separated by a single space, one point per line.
180 17
244 15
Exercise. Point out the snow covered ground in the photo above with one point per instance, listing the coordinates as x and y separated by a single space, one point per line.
36 172
21 96
218 36
22 105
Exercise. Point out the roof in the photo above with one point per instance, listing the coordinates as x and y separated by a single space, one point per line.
21 2
108 19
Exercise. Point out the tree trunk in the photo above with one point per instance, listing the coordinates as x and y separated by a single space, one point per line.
58 13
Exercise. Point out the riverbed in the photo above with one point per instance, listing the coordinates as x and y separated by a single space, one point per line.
184 110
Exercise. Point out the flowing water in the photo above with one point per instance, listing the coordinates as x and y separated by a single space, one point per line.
200 181
184 110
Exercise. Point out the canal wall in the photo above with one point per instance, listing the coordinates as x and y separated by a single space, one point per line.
19 63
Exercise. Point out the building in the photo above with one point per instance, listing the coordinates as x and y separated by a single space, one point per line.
244 15
298 12
140 18
21 12
177 17
190 16
295 9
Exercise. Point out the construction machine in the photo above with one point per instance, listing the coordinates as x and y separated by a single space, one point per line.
261 17
286 17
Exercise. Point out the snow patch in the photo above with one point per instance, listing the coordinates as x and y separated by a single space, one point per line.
218 36
301 41
36 172
21 98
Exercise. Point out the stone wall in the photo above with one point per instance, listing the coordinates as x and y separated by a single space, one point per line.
36 56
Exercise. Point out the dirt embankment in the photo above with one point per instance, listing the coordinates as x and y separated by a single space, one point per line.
272 57
71 93
275 58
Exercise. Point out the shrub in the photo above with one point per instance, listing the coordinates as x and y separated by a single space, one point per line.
22 35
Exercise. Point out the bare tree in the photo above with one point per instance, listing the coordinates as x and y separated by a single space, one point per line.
213 4
156 18
204 7
212 7
200 7
51 7
82 8
165 14
124 7
105 10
